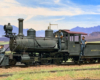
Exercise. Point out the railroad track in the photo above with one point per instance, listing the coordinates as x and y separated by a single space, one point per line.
64 64
52 71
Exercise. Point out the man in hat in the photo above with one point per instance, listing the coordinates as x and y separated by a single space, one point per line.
60 36
83 42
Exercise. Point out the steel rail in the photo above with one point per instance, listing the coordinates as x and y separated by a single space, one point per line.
52 71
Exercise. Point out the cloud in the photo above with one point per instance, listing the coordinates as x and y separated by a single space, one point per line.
56 1
58 19
11 10
10 1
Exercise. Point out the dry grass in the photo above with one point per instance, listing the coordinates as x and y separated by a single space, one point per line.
58 75
51 76
46 68
3 43
7 52
94 42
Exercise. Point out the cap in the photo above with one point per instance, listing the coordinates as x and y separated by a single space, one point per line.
83 37
59 29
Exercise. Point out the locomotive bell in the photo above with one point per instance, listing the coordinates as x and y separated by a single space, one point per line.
48 32
31 32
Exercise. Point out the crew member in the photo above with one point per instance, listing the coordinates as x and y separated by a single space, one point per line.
60 36
3 59
83 42
2 49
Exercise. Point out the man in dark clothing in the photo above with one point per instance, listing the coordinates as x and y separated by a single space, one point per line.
60 36
83 42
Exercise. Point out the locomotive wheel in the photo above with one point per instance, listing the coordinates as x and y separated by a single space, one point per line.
84 62
46 62
98 60
58 61
92 61
12 62
65 56
76 62
37 63
26 64
80 62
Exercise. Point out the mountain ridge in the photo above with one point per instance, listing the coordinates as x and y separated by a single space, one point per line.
41 33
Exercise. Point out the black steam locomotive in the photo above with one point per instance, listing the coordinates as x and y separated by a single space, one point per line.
44 50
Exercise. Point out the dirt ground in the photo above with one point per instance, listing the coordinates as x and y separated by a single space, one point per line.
69 78
22 68
46 67
56 78
62 78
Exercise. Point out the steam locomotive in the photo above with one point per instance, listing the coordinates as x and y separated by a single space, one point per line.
44 50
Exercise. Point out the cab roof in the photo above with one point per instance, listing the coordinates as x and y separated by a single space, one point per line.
72 32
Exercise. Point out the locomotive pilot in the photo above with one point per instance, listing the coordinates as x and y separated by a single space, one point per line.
83 42
60 36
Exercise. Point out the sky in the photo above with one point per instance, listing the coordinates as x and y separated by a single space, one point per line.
37 14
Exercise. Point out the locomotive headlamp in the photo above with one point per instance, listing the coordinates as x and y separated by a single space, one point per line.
1 46
8 29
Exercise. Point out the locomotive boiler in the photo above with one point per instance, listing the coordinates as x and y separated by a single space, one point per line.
20 43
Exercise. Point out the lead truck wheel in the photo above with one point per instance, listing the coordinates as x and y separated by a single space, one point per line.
12 62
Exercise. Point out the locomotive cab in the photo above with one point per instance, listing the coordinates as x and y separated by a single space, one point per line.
72 41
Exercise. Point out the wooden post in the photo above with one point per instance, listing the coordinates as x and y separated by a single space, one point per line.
79 38
74 38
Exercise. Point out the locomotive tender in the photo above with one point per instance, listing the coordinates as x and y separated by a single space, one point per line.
44 50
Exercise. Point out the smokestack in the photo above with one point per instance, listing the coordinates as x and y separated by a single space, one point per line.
20 27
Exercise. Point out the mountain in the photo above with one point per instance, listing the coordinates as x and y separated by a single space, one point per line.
86 30
4 39
41 33
1 30
16 30
94 34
